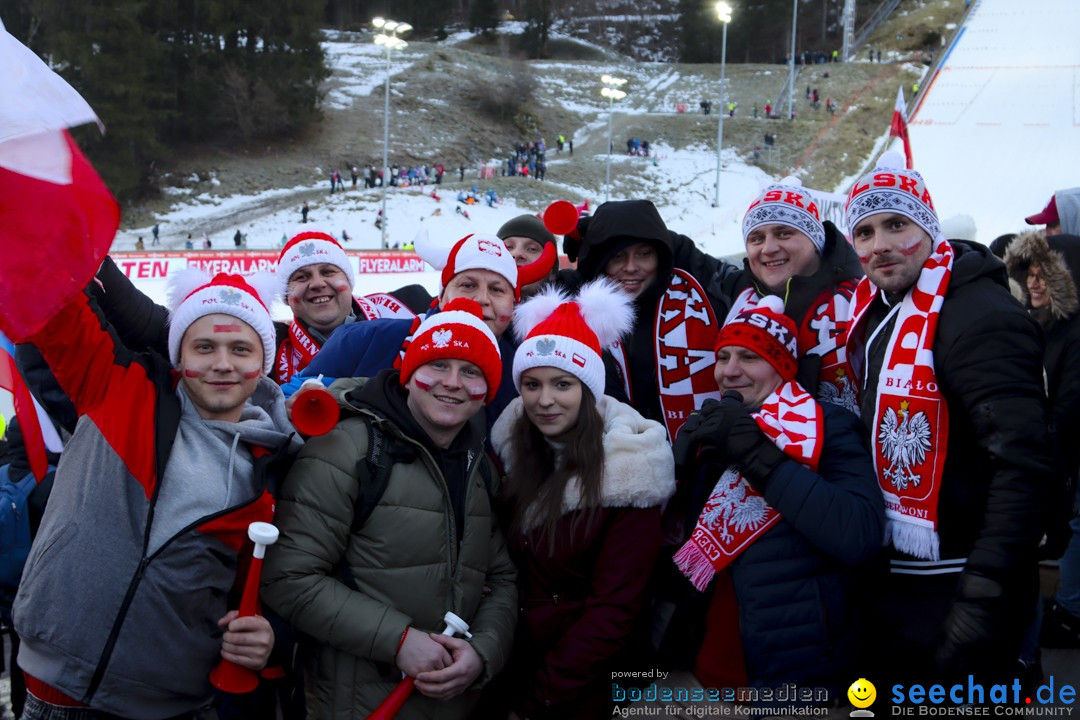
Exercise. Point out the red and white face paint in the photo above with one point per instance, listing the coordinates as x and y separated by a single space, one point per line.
892 249
444 394
320 296
221 361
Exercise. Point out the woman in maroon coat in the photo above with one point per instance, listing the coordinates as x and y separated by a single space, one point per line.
586 476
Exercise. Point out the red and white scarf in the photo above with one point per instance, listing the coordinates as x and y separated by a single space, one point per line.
299 348
294 354
822 332
911 418
685 332
736 514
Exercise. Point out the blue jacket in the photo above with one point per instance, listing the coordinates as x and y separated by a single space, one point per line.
796 585
363 349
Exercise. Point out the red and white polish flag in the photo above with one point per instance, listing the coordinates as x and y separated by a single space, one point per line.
57 218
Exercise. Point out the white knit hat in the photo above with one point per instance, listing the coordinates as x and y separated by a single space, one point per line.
787 203
311 248
571 334
192 295
891 188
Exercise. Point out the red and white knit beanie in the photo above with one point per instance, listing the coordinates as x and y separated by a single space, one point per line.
891 188
311 248
570 334
768 332
786 203
458 332
192 294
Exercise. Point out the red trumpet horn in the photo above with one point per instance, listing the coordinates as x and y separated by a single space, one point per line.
315 411
561 217
388 708
228 676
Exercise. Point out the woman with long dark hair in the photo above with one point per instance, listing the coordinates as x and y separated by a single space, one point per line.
586 476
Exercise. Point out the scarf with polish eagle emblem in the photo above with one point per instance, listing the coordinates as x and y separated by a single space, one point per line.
735 515
911 418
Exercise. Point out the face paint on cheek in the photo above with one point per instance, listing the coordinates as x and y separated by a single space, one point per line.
476 391
505 318
911 248
252 375
864 259
423 381
343 287
192 374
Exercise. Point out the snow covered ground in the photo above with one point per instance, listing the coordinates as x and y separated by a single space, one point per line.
999 130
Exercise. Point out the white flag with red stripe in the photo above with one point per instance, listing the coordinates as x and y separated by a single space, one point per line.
899 128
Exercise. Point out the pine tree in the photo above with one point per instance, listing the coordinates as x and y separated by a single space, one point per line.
484 16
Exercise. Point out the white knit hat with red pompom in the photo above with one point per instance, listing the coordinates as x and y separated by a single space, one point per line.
571 334
192 294
311 248
457 332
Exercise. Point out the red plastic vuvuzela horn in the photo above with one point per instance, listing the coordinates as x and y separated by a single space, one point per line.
561 217
388 708
228 676
315 411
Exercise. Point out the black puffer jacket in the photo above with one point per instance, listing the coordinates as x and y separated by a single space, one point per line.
998 470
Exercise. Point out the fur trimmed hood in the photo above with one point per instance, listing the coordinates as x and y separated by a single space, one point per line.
639 469
1059 258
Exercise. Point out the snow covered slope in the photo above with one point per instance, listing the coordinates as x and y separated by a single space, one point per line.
999 129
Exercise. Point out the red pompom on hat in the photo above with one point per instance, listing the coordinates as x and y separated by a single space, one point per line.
571 334
458 333
768 332
192 295
311 248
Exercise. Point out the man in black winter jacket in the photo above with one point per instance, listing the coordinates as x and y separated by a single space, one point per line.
950 368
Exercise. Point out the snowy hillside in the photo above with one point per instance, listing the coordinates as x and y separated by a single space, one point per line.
999 130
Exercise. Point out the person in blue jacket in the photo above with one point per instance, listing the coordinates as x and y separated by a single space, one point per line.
781 509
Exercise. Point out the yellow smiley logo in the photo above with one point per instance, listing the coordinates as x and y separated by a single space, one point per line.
862 693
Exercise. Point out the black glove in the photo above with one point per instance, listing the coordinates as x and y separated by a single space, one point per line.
973 628
743 443
701 429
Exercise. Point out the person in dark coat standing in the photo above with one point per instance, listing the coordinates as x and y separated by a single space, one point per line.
1047 272
951 392
585 478
780 511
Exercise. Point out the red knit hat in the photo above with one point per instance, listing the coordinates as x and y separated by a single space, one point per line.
460 333
570 335
768 332
192 295
311 248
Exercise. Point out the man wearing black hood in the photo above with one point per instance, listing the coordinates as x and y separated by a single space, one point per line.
666 363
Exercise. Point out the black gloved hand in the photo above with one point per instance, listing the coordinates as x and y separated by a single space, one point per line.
973 627
744 444
702 429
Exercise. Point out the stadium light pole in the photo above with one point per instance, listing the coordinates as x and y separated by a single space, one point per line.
612 92
388 38
723 12
791 73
